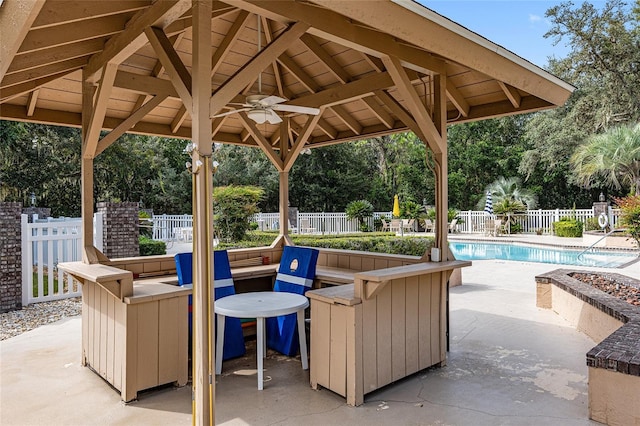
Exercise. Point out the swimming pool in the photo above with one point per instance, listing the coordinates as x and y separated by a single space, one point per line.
501 251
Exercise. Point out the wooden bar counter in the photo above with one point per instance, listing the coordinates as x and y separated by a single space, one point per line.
388 324
134 335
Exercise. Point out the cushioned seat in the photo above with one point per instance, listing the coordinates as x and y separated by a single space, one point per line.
223 286
296 273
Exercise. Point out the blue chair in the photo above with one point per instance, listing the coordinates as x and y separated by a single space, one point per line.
296 273
223 286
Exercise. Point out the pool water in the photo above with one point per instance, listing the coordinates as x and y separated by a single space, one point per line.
484 251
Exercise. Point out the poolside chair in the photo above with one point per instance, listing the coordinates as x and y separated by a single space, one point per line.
395 225
223 286
490 227
428 225
296 273
453 226
385 225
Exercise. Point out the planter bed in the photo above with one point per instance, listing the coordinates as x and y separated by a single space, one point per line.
614 363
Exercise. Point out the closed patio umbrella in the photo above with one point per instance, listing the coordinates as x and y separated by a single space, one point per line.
396 206
488 205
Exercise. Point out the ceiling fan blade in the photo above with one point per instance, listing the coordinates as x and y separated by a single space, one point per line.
298 109
271 100
230 112
273 118
246 105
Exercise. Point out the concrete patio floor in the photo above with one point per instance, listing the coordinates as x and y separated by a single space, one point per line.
510 364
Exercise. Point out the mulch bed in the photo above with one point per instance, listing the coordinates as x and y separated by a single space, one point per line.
627 293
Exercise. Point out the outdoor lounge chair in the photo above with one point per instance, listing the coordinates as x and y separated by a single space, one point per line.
223 286
385 225
453 226
296 273
395 225
428 225
490 227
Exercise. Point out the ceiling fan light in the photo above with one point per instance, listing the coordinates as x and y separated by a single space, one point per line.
257 115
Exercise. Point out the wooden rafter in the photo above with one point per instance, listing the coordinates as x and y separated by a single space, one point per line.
43 71
331 64
512 94
216 61
334 27
178 72
268 34
57 54
411 98
99 110
263 143
28 86
15 20
128 123
347 118
120 47
31 103
457 99
68 11
300 142
245 75
379 111
74 32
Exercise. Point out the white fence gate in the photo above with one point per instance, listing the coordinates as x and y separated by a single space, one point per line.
45 243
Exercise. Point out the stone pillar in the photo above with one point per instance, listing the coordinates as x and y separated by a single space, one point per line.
120 225
10 257
600 207
42 212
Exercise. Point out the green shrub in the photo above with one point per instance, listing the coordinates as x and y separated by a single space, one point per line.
568 227
380 243
630 219
232 207
149 247
591 224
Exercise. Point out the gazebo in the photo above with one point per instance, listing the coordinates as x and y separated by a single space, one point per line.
281 76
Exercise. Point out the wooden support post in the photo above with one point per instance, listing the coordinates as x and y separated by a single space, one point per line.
442 196
203 362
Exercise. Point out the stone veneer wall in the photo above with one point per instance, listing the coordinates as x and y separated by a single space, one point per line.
120 224
10 257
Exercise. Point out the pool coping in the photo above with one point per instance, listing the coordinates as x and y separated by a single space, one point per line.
499 240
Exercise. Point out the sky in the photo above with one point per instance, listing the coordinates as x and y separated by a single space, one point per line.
517 25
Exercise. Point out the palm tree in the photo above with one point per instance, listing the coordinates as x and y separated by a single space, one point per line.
510 191
613 156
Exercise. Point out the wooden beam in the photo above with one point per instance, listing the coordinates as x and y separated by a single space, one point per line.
120 47
402 114
268 33
457 99
180 77
338 28
343 93
375 63
16 19
244 76
299 73
67 11
301 140
264 144
56 54
128 123
31 103
379 111
512 94
44 71
347 119
336 69
28 86
144 84
99 110
74 32
411 98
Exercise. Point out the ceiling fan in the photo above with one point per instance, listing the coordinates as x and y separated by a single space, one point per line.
261 108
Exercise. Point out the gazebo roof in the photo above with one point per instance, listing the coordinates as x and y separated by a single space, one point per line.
331 55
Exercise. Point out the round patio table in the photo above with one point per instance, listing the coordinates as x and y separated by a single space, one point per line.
261 305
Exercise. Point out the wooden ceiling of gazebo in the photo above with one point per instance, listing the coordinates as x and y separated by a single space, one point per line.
331 55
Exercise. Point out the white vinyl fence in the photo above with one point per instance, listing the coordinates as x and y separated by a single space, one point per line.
168 227
45 243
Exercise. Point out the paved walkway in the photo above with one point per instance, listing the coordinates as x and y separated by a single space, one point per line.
510 364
